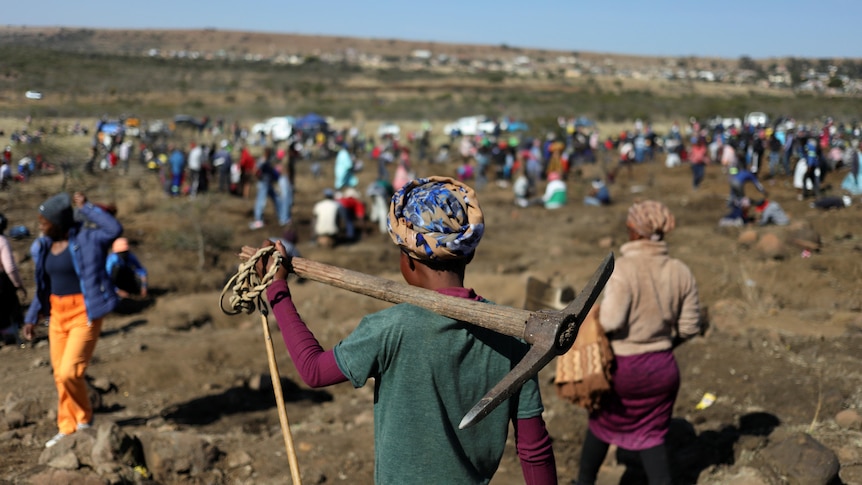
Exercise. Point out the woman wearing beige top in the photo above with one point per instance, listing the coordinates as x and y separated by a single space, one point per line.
650 305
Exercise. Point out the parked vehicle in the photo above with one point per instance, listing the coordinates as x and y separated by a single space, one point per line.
510 125
757 118
191 121
725 122
278 128
470 126
474 125
388 129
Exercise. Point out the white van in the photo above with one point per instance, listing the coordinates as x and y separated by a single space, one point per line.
757 118
278 128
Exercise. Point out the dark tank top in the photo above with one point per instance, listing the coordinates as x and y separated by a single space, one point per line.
61 269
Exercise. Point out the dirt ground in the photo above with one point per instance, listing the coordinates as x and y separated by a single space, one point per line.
782 353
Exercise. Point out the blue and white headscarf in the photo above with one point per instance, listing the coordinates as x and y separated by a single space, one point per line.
436 218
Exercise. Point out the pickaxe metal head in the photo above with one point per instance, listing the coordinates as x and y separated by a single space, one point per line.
550 333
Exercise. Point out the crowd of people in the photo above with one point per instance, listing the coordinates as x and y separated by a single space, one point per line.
746 154
227 158
650 304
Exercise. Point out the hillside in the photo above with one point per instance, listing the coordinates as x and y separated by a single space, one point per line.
229 43
248 76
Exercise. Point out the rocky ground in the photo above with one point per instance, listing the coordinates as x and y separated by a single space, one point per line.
183 390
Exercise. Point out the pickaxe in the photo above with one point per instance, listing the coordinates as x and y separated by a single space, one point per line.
550 333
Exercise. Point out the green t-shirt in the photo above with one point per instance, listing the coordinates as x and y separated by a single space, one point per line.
428 371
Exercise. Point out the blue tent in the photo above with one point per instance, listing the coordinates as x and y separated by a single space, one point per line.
583 121
311 122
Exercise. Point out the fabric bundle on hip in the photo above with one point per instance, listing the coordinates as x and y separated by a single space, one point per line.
583 373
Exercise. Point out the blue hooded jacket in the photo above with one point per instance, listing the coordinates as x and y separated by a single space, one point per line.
89 243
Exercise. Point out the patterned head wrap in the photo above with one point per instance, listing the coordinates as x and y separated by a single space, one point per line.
436 218
650 219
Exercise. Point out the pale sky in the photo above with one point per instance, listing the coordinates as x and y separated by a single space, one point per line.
728 28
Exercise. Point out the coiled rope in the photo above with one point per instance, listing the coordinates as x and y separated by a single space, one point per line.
248 288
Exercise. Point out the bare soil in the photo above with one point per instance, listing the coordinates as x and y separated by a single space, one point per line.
782 352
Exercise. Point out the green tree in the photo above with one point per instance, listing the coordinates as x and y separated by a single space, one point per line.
835 82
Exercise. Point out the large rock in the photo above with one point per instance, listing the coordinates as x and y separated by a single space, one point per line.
728 316
744 476
12 420
79 443
804 236
67 461
849 419
771 247
238 459
112 446
747 238
799 459
54 476
172 453
31 408
106 449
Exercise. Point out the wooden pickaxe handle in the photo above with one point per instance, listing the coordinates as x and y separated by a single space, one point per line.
502 319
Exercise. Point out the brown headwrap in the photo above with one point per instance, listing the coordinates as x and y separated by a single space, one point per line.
651 219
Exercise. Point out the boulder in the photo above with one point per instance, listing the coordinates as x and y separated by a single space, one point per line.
728 315
172 453
53 476
849 419
747 238
800 459
12 420
29 409
804 238
238 459
79 443
112 446
744 476
771 247
103 385
66 461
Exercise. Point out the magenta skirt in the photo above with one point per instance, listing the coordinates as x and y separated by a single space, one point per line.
636 414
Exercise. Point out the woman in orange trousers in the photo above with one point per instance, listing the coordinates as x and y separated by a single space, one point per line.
74 289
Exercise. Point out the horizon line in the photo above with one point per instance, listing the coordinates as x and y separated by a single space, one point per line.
501 45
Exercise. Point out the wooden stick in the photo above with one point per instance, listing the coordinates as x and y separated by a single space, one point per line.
502 319
279 400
